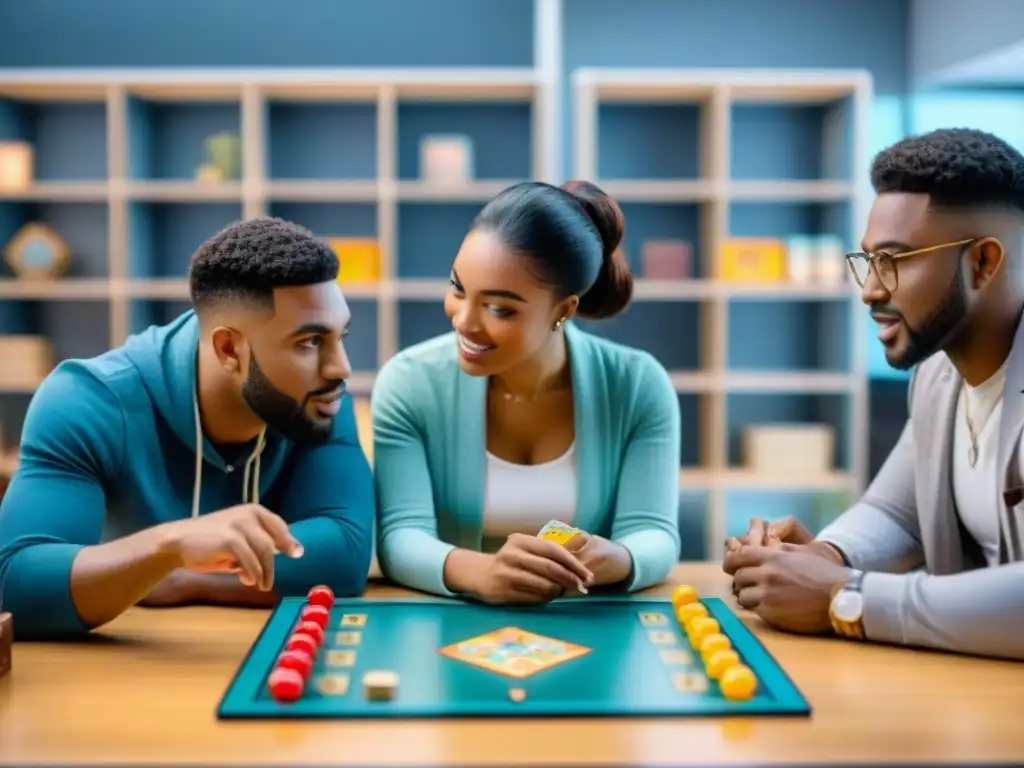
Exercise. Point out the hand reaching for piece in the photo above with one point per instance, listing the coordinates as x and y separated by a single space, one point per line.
787 585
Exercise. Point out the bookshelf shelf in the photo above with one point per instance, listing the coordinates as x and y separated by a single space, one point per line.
725 154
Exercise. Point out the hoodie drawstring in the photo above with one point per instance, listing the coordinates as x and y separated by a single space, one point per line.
251 479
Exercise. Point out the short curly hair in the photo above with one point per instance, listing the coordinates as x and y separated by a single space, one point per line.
955 167
246 261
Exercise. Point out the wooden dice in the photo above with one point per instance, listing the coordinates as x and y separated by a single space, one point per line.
6 642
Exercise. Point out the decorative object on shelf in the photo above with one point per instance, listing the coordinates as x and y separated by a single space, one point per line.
223 153
802 259
667 260
6 643
359 259
37 252
831 256
27 361
446 159
17 166
752 260
789 449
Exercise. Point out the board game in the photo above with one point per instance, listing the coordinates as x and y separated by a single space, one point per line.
621 656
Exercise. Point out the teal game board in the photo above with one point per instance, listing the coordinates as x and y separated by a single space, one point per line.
618 656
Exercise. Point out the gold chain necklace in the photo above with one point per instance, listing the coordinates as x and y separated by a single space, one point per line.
972 452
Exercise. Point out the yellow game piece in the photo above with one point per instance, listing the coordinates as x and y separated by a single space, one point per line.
719 661
517 695
738 682
690 611
699 628
713 642
682 595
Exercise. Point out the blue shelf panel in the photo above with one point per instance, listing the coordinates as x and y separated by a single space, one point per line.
330 219
322 140
782 220
669 330
167 140
648 141
689 418
421 320
815 509
84 226
75 329
663 221
750 409
430 235
162 237
693 525
361 344
142 313
789 336
501 134
69 138
789 141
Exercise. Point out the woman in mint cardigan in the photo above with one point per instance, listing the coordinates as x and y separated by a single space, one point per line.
517 417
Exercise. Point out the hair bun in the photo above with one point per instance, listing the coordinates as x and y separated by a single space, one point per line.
612 292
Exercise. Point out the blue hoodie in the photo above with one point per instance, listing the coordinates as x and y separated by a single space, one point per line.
108 448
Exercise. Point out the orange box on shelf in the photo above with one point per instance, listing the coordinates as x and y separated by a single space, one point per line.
359 259
753 260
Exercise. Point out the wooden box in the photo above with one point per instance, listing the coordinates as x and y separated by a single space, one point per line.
359 259
27 360
6 642
667 260
789 449
446 159
17 166
752 260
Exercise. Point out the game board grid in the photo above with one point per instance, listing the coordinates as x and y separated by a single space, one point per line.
778 696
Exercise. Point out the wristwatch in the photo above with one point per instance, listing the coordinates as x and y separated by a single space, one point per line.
847 608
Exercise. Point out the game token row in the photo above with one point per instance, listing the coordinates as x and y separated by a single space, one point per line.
721 662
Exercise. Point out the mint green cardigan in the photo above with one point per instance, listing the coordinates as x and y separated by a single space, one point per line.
429 454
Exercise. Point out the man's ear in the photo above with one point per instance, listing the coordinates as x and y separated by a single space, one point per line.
228 345
987 257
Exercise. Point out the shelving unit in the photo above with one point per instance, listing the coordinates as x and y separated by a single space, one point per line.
334 150
683 151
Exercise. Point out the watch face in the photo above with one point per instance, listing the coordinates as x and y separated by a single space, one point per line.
848 606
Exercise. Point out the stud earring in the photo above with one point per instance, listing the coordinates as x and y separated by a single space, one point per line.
558 324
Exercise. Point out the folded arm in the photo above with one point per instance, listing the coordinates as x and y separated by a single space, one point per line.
646 520
55 576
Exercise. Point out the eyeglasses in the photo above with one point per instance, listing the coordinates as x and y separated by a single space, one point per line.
884 263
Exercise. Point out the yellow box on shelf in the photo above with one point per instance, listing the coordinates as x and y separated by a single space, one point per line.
752 260
359 259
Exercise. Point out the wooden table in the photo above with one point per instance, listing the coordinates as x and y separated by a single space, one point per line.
146 690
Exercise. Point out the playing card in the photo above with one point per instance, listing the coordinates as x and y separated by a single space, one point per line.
558 532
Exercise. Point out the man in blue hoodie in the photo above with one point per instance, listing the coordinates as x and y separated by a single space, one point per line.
213 459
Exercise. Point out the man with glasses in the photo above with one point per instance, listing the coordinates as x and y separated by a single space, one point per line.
933 554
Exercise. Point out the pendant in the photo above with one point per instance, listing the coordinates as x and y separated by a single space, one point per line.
972 455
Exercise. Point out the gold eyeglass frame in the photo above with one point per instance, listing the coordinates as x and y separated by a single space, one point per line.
873 258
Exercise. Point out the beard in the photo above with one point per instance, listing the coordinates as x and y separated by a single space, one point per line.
283 414
936 331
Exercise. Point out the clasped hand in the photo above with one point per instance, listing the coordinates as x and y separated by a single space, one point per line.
784 576
529 569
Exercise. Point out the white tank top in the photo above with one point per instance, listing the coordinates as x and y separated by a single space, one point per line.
521 498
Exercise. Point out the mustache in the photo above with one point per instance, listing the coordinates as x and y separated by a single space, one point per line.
330 388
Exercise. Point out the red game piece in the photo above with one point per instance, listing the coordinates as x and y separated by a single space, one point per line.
322 596
296 659
317 614
286 684
312 629
302 642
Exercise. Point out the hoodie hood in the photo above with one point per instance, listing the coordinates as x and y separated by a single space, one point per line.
166 358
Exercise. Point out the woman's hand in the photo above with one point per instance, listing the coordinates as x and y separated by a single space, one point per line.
609 562
528 569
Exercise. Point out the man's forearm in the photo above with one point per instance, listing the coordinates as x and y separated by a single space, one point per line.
225 589
978 612
108 579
